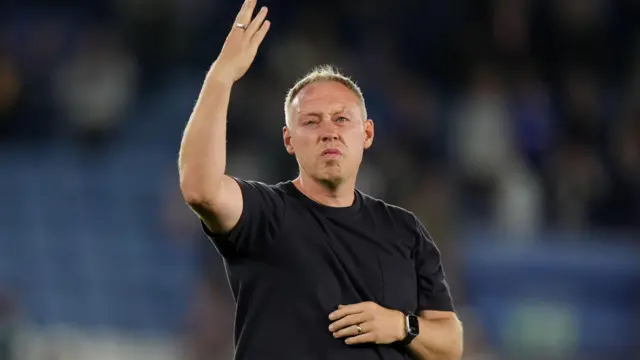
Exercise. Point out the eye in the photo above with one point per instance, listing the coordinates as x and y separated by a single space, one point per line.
309 122
342 119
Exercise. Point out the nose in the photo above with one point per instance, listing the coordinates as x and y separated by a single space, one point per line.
330 136
329 132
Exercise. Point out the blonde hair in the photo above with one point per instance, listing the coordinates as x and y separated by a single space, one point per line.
318 74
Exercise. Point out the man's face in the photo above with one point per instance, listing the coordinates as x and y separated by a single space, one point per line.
327 132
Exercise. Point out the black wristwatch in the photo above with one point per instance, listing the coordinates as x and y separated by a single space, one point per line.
412 326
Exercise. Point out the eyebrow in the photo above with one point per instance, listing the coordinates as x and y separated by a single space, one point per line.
314 113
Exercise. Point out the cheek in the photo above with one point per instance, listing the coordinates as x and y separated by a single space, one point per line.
302 145
356 138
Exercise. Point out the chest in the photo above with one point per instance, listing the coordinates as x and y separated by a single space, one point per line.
347 259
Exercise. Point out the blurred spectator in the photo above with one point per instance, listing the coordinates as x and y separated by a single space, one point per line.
11 95
97 85
510 30
533 117
583 110
578 179
482 146
621 206
416 115
519 203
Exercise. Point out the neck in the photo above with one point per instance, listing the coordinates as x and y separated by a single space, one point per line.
341 196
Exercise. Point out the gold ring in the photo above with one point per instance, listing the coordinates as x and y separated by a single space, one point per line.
242 26
359 329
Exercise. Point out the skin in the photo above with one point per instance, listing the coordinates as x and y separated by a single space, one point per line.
324 115
327 115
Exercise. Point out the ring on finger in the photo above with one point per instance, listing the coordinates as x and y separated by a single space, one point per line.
242 26
358 329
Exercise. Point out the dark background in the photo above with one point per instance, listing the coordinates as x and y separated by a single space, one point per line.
510 127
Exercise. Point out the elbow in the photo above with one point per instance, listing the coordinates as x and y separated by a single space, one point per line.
457 353
453 348
199 184
457 350
193 198
196 198
196 193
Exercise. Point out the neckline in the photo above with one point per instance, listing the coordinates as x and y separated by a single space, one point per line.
326 209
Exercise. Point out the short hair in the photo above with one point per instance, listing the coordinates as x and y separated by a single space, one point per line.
318 74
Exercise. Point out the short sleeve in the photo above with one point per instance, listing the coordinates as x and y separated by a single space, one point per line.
433 290
262 214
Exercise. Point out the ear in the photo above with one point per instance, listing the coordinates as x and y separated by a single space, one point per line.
368 133
286 137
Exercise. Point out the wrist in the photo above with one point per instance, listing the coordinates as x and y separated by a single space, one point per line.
411 328
218 75
402 332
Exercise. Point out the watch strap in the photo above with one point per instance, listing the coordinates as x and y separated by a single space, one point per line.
408 318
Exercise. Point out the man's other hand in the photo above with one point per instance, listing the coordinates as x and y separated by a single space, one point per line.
367 322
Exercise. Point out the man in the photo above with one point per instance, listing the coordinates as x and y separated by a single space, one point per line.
318 270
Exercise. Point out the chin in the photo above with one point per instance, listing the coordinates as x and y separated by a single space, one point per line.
331 179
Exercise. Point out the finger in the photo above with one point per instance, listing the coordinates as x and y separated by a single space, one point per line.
256 23
361 339
348 321
344 311
352 330
246 12
256 40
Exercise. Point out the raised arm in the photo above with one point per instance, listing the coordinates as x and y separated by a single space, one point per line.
215 197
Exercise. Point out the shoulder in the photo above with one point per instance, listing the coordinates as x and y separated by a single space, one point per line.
261 200
382 211
261 188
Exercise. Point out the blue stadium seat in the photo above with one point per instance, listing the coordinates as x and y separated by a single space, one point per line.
81 242
589 283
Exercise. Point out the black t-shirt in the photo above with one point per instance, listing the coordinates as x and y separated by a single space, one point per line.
291 261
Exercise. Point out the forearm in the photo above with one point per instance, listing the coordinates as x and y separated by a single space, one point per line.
202 158
439 339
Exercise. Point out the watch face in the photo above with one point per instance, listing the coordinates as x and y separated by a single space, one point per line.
413 324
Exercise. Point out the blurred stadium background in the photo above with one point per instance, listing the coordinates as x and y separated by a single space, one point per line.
510 127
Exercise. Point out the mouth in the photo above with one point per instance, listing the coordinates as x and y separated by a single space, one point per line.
331 153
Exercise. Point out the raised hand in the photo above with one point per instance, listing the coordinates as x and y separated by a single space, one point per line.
241 46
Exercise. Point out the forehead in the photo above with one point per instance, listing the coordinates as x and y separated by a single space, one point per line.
324 96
